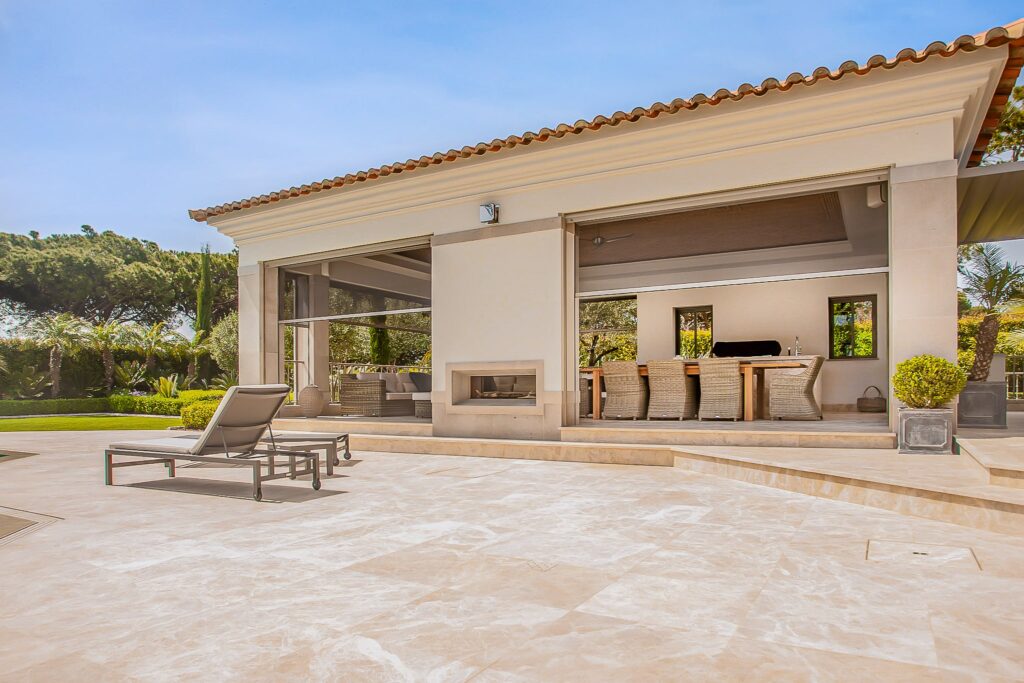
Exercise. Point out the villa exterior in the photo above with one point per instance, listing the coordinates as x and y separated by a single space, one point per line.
763 208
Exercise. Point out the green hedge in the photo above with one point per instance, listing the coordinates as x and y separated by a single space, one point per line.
193 395
146 405
157 405
198 414
54 406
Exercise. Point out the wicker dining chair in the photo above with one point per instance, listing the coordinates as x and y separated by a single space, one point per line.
721 389
791 396
627 392
586 397
673 393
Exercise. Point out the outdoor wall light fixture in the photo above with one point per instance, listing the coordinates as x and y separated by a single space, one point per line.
876 196
489 213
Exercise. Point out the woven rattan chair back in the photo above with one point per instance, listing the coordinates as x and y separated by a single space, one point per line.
721 389
627 391
673 394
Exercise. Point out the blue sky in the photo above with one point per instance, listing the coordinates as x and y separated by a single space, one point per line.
125 114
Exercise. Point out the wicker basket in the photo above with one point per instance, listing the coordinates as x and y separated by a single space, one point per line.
871 404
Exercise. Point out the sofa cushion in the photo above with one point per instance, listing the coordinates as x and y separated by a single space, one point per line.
398 396
422 380
391 382
408 386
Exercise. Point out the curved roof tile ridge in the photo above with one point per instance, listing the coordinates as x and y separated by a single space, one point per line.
1000 35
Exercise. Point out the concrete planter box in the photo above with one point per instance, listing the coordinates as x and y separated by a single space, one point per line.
926 430
983 404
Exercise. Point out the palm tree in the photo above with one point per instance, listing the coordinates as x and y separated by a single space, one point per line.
192 348
993 284
152 342
61 333
104 338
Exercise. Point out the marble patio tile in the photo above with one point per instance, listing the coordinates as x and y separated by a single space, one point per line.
447 631
880 612
707 604
63 667
221 644
473 536
337 553
473 573
971 640
713 550
584 647
607 552
757 661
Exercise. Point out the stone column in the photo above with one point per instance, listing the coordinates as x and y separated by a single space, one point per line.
922 263
250 298
270 338
319 334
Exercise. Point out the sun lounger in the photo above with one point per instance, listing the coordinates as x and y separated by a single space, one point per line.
234 436
329 442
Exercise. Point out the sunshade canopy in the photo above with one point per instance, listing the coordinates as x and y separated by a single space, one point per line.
990 203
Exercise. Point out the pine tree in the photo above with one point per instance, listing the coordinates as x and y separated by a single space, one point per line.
204 310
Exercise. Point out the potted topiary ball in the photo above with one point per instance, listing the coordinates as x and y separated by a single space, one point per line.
926 384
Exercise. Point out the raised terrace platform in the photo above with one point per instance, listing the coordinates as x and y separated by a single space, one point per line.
971 489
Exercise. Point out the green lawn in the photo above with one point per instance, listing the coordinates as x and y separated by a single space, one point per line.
85 423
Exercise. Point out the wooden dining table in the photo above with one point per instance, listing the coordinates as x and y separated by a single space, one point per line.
751 369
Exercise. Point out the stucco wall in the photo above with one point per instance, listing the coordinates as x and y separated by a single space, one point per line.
774 310
500 299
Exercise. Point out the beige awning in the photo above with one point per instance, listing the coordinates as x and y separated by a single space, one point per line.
990 202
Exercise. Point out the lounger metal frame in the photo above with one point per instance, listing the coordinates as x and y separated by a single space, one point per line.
257 459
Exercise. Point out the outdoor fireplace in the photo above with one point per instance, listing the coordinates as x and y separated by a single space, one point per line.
517 389
506 387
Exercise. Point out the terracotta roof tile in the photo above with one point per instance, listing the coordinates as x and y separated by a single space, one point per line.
1001 35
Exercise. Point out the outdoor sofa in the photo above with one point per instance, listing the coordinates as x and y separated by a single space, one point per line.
381 394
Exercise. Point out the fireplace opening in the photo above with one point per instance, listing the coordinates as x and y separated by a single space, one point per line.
502 390
499 388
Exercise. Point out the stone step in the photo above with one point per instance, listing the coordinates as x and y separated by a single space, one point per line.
1002 458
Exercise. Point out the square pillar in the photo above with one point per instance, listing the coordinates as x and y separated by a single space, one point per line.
922 263
319 335
250 312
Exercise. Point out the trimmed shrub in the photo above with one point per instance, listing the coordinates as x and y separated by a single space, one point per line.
197 415
927 381
55 406
193 395
145 405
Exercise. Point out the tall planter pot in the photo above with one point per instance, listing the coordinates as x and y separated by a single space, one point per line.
926 430
311 401
983 404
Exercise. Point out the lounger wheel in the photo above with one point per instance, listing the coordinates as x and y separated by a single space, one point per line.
258 496
316 485
348 456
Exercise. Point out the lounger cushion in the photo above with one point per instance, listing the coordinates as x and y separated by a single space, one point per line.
171 444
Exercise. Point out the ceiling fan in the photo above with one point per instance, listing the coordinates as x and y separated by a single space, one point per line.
600 241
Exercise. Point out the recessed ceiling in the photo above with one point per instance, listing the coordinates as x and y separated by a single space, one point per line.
790 221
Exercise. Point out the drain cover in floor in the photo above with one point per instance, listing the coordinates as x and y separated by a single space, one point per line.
904 552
